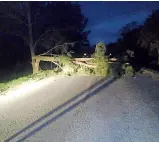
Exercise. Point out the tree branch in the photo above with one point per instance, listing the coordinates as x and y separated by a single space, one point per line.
83 59
57 65
56 47
44 58
47 51
45 32
40 38
49 59
84 64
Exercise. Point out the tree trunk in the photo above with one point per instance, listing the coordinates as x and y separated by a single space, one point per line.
35 65
31 46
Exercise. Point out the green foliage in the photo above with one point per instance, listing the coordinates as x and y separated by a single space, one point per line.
19 79
127 70
102 67
64 60
68 68
100 48
101 60
82 71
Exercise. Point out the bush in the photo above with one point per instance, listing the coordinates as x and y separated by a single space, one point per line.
101 60
85 71
69 68
127 70
102 67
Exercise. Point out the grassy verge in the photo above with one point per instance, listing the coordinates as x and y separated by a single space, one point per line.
149 72
35 77
22 77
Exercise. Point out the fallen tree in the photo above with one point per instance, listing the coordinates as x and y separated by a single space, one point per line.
84 64
77 61
98 64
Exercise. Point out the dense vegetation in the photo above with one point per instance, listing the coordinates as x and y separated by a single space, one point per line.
58 30
41 26
139 44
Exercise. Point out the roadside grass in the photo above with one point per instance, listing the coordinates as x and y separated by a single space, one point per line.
150 72
19 79
13 79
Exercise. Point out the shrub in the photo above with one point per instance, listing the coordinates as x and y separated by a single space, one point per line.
84 71
67 67
101 60
102 67
64 60
127 70
100 47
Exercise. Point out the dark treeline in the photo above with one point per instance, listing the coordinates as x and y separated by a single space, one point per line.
32 28
142 40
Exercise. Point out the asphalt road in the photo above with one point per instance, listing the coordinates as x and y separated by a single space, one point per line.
30 101
122 110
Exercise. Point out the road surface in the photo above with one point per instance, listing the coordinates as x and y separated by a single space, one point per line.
119 110
30 101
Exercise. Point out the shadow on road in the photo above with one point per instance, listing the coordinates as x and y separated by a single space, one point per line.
97 87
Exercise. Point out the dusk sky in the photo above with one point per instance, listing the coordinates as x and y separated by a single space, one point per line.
107 18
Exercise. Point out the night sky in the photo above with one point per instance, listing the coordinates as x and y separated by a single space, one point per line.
107 18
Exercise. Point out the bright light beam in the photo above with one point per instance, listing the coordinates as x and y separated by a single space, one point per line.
24 90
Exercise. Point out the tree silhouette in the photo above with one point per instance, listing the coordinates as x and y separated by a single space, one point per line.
149 37
43 24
